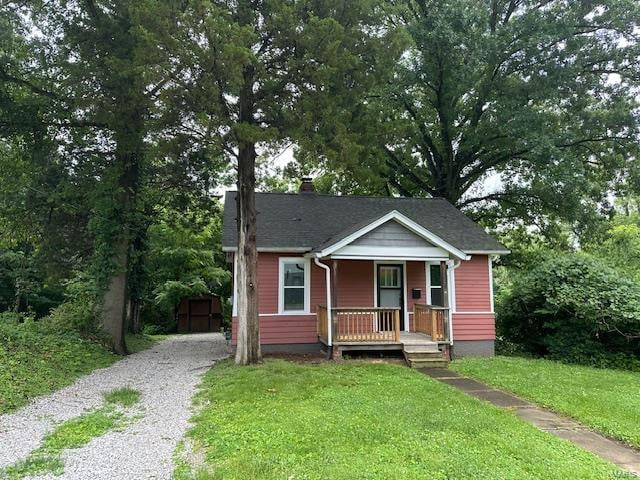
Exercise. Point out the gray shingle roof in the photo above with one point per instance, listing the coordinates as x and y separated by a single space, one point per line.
291 220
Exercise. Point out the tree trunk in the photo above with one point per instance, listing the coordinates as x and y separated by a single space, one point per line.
122 212
248 336
114 302
136 324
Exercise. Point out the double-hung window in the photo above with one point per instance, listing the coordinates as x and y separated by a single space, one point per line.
435 284
294 285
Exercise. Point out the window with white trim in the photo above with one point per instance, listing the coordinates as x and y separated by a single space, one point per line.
435 284
293 285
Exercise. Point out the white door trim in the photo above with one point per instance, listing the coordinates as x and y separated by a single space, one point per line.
404 286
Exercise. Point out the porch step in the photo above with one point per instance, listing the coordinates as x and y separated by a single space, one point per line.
431 347
428 363
424 357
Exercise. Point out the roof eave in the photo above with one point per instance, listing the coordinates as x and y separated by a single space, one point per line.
488 252
271 249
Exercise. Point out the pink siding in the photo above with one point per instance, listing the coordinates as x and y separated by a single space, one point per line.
415 279
356 289
472 285
355 283
278 329
473 296
318 287
268 281
474 327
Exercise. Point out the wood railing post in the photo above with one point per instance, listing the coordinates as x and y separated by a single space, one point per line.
396 324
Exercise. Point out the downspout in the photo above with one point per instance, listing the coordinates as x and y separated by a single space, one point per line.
327 276
452 265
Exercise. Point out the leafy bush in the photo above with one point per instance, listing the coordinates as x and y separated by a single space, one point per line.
11 318
575 308
23 286
621 247
73 315
78 312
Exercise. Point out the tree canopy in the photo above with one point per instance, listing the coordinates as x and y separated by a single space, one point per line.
538 97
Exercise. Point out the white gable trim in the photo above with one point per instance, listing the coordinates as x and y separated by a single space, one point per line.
405 222
487 252
368 252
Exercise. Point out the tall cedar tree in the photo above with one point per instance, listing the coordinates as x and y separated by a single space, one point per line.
92 60
267 73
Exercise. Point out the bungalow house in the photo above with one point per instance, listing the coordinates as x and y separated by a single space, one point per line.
379 273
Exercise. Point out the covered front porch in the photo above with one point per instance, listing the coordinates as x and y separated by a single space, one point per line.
388 285
380 327
376 328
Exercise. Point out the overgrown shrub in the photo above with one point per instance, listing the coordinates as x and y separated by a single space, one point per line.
575 308
79 311
11 318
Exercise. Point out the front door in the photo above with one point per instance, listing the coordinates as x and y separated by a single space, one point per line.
391 289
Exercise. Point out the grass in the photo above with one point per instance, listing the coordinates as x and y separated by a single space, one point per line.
353 420
124 396
140 342
603 399
35 361
74 433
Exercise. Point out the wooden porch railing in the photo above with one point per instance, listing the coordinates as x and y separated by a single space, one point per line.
361 324
323 326
432 321
366 324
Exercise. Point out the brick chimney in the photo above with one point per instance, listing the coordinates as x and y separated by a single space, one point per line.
307 185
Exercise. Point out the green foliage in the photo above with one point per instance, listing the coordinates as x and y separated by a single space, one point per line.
621 248
23 287
357 420
517 91
11 318
600 399
184 258
572 307
74 433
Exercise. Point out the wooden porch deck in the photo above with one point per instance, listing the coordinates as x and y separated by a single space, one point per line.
375 329
406 338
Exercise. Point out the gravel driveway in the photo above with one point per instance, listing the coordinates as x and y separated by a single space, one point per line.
166 375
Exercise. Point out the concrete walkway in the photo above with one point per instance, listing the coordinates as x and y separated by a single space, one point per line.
625 457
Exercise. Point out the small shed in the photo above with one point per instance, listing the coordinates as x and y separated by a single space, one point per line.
199 314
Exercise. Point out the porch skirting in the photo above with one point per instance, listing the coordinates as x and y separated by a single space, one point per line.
473 348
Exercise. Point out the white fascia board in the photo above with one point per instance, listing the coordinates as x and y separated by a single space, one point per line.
272 249
405 222
362 251
487 252
390 259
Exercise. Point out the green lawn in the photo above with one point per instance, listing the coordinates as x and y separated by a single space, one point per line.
35 361
354 420
606 400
